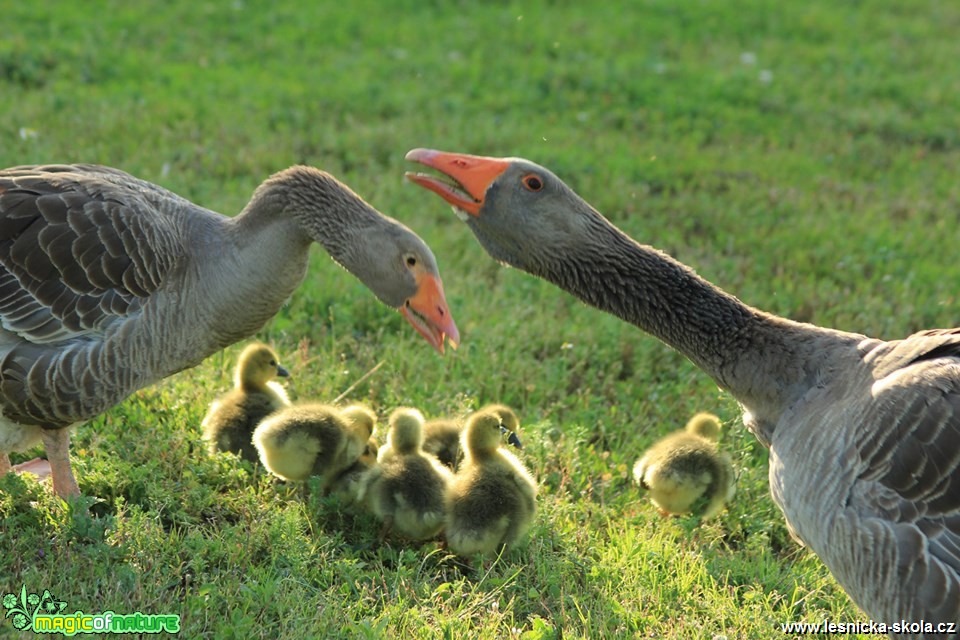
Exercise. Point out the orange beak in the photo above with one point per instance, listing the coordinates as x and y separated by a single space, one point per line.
427 311
472 176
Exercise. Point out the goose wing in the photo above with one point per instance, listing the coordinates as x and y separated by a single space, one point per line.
907 496
80 247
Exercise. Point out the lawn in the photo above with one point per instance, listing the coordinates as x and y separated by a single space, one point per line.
803 156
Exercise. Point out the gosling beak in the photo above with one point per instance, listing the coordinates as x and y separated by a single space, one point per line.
282 372
467 177
512 438
429 314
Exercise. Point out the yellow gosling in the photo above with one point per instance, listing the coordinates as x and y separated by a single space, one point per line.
685 472
407 486
307 440
232 418
492 499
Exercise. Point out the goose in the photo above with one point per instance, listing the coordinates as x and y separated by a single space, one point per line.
441 436
351 484
491 502
685 473
313 439
862 433
229 424
406 490
441 439
109 283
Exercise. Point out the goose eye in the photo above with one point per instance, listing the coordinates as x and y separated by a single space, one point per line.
411 261
532 182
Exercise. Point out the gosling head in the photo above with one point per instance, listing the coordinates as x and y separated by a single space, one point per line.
509 422
705 425
258 365
406 430
360 418
482 433
369 454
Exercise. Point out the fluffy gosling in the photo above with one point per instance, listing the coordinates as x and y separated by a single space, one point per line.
407 487
307 440
492 500
350 485
232 418
441 436
685 472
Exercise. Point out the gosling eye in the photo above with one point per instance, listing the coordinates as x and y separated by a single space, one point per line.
532 182
273 363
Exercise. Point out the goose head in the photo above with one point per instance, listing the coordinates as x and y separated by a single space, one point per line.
511 205
385 255
258 365
401 271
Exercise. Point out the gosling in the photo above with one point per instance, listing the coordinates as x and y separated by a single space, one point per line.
491 502
307 440
685 472
407 487
232 418
350 486
441 436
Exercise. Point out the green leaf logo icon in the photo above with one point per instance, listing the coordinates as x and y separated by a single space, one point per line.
21 608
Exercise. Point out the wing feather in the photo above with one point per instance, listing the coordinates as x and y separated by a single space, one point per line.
80 248
909 486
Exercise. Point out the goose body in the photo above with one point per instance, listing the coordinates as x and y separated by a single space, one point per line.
492 499
862 433
684 472
406 490
109 283
229 424
306 440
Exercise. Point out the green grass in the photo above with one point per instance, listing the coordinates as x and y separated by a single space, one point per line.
801 155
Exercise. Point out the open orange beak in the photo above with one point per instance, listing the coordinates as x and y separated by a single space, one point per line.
429 314
471 176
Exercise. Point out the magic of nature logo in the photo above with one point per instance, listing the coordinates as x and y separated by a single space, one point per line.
44 613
